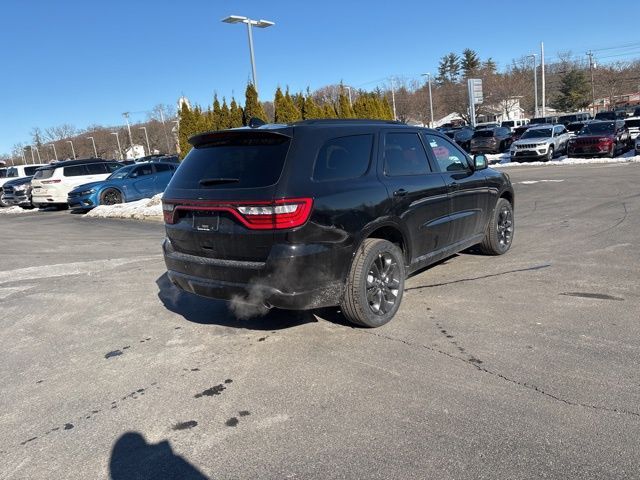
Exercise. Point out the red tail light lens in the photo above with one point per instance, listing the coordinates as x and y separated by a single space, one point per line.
51 181
279 214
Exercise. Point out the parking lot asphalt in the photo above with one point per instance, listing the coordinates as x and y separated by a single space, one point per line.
520 366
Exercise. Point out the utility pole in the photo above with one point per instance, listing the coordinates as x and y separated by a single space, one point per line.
147 137
95 151
349 90
73 150
428 75
55 154
544 106
593 88
393 99
535 82
164 128
39 157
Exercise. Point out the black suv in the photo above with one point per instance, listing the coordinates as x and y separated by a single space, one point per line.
322 213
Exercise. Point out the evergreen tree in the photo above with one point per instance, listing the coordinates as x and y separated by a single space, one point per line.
453 67
470 63
344 107
490 65
298 100
575 92
329 111
310 108
215 115
293 114
225 115
186 128
279 107
235 114
252 107
443 70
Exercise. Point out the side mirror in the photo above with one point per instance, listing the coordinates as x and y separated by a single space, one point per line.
480 162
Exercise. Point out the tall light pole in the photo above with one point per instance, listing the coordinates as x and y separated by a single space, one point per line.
535 81
55 154
39 157
147 137
428 75
126 117
393 99
33 159
592 65
349 90
118 140
164 128
24 159
544 107
250 23
95 152
73 150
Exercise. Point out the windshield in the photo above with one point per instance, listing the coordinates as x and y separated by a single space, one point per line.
603 128
567 118
537 133
483 133
29 171
121 173
606 116
575 127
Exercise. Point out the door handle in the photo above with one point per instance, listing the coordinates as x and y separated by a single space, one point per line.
400 193
454 185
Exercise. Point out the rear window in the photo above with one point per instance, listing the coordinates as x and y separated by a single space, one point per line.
12 172
509 123
605 116
343 158
575 127
632 123
568 118
28 171
246 161
483 133
44 173
74 171
96 168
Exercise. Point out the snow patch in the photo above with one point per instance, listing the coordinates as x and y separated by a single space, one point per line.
505 161
15 210
145 209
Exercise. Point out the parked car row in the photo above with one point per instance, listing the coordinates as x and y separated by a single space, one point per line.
86 183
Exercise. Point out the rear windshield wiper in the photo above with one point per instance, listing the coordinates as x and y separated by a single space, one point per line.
217 181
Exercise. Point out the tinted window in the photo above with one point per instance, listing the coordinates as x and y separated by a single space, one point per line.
599 128
163 167
344 157
96 168
44 173
143 170
449 158
112 167
74 171
253 159
537 133
12 172
605 116
28 171
632 123
483 133
3 173
404 155
509 123
575 127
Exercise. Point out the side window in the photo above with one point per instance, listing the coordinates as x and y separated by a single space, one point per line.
112 167
74 171
343 158
448 156
162 167
96 168
142 170
404 155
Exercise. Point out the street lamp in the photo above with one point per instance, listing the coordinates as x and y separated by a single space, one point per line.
95 152
38 152
55 154
250 23
535 81
118 140
147 137
73 150
33 159
428 75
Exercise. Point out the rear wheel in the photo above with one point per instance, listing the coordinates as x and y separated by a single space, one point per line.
499 235
550 153
2 204
375 284
110 196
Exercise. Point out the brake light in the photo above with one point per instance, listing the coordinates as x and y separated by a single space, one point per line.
278 214
50 181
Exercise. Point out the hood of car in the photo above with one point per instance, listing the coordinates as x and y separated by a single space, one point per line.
16 181
533 141
88 186
591 137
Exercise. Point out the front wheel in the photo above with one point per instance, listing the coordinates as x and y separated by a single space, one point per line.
375 284
499 235
110 196
550 153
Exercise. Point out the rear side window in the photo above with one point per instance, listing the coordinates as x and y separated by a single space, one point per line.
74 171
343 158
404 155
632 123
96 168
44 173
242 161
12 172
483 133
112 167
28 171
163 167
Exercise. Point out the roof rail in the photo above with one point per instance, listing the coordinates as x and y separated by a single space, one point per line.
356 121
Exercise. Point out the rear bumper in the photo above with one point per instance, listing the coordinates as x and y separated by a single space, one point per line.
294 277
484 149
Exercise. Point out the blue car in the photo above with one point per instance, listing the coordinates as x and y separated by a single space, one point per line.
127 184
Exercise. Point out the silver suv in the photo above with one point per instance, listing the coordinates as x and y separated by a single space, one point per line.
541 142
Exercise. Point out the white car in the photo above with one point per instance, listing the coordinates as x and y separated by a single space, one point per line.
638 145
51 185
633 125
15 172
540 142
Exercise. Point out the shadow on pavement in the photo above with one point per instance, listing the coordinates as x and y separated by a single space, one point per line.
208 311
132 458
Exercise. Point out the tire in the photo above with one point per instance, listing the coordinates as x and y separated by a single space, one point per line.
375 284
110 196
2 204
612 153
499 234
550 154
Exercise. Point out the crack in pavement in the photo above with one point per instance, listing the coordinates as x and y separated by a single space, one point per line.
505 378
537 267
624 217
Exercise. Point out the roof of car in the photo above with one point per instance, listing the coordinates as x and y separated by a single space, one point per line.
82 161
543 125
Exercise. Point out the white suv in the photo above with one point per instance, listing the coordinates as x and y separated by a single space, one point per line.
540 142
15 172
51 185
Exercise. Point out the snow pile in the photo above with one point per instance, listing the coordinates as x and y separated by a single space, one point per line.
15 210
505 160
145 209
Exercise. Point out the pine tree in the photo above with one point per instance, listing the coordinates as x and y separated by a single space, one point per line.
293 113
387 111
470 63
279 107
329 111
453 67
252 107
298 100
490 66
310 108
443 68
225 115
215 119
575 92
235 114
186 128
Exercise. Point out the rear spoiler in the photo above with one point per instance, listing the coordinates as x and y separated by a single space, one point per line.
223 136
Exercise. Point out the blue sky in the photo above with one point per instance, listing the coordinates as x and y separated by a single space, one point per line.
85 63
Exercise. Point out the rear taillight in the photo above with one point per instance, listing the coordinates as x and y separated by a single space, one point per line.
50 181
279 214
